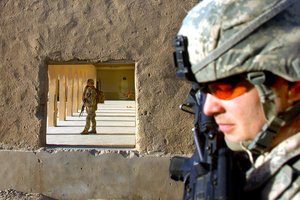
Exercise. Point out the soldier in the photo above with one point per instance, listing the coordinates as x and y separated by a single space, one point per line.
89 99
245 55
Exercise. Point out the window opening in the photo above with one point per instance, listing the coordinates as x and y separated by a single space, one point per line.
115 116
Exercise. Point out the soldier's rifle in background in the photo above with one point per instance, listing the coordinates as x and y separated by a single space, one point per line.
83 103
82 108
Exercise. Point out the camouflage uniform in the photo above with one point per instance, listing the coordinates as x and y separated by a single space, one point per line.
274 43
213 28
276 174
90 102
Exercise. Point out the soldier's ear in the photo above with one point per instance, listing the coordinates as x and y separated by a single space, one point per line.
294 93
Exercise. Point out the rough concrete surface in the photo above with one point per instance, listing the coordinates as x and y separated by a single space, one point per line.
88 174
11 194
36 33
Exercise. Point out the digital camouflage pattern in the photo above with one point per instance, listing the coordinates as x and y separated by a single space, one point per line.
274 46
90 97
277 172
90 102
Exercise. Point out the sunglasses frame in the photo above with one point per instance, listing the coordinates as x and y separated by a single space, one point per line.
234 82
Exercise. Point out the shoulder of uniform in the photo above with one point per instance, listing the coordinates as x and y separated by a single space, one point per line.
257 177
284 184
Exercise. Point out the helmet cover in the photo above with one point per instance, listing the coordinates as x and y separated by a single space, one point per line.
273 47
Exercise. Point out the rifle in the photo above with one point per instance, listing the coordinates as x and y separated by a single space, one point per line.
82 108
213 171
83 102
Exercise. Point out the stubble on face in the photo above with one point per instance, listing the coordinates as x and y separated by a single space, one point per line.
243 117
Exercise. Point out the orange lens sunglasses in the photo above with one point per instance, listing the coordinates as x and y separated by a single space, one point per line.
229 88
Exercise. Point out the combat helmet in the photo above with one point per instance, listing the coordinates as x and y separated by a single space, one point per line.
90 81
224 38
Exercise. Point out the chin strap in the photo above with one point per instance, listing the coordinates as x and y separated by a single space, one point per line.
264 139
274 121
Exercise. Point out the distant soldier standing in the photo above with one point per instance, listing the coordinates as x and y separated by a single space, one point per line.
89 99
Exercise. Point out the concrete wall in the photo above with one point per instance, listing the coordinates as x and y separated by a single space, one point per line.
36 33
88 175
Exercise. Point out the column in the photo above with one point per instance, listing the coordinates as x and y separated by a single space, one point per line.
69 93
52 107
75 94
80 91
62 97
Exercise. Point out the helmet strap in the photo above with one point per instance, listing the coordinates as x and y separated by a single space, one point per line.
266 94
274 121
269 131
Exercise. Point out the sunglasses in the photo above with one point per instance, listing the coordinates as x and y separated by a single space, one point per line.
229 88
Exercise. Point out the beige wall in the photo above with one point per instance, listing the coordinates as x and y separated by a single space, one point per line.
82 175
79 32
36 34
111 82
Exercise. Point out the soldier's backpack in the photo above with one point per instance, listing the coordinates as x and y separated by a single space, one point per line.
100 96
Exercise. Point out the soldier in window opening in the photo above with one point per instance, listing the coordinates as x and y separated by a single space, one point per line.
89 99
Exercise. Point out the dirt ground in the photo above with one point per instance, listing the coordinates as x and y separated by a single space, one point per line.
15 195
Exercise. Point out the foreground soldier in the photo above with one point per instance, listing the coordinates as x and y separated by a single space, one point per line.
245 54
89 99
